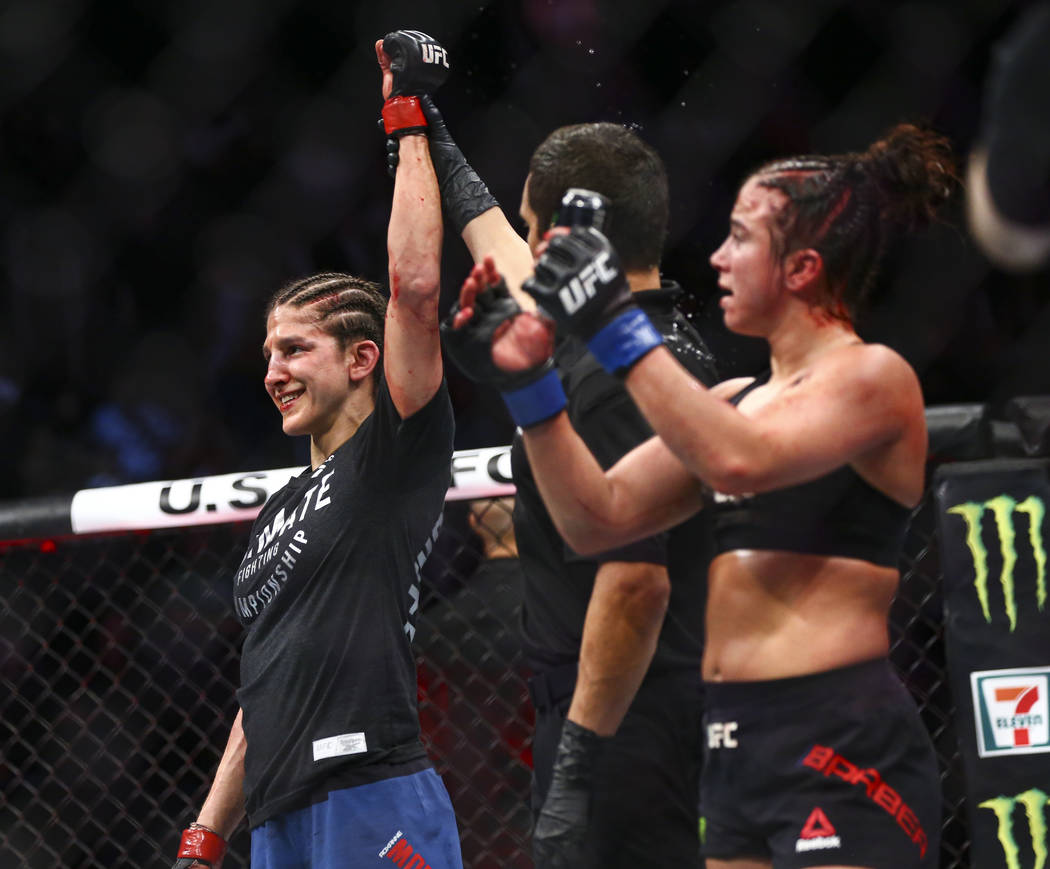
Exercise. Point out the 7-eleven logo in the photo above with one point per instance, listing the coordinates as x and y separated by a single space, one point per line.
1011 710
1023 698
817 833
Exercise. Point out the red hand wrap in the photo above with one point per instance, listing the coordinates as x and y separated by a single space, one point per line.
400 113
201 844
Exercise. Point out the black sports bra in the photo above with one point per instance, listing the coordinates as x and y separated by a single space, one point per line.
837 514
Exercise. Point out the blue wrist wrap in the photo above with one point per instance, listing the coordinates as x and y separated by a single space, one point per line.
536 402
625 340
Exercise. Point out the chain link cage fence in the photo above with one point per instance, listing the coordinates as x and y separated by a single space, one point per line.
119 663
230 144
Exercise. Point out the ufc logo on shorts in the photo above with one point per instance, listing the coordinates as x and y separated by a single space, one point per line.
575 294
720 734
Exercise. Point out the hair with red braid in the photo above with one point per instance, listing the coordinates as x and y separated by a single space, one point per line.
846 206
347 308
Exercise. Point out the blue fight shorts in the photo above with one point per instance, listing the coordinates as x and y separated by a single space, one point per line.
405 821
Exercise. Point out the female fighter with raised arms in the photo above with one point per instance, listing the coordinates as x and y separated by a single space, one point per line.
816 755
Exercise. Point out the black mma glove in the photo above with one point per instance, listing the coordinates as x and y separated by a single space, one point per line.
560 837
532 395
419 62
463 193
579 283
419 65
199 845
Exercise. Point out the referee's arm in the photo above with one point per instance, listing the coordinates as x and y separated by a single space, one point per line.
620 632
491 234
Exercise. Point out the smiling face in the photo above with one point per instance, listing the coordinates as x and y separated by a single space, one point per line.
748 265
307 372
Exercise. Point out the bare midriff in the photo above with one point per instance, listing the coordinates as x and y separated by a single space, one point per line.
775 614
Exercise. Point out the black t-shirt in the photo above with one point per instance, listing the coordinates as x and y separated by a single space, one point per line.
558 582
328 592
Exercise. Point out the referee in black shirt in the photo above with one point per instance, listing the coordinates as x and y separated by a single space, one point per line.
614 642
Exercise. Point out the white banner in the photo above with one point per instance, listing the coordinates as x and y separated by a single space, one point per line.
483 473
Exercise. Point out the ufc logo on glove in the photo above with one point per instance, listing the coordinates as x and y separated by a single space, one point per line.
434 54
429 50
578 290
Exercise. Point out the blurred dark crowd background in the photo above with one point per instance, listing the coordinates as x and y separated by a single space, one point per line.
164 166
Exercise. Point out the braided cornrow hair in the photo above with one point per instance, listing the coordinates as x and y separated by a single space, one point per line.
846 206
347 308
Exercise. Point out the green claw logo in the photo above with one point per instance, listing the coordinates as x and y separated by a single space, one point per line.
1034 802
1003 510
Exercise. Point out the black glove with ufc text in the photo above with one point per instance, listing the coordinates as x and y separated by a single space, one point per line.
533 394
419 65
418 62
580 284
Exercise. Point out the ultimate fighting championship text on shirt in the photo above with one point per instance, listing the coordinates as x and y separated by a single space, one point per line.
272 552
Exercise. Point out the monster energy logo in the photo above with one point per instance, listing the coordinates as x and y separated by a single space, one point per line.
1003 509
1034 802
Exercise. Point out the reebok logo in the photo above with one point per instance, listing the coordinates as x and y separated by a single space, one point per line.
817 833
829 762
403 854
390 844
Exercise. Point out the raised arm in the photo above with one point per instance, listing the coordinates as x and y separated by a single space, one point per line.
412 353
473 211
863 399
491 234
647 491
